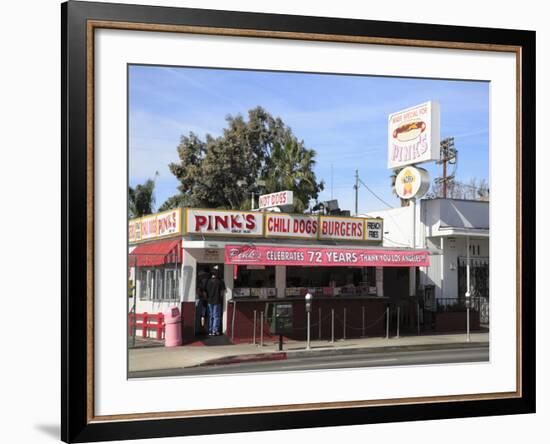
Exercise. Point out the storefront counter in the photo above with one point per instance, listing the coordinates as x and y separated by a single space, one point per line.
353 316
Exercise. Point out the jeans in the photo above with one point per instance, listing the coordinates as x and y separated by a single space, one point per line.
214 318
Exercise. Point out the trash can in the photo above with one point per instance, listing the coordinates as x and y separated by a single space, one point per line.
172 322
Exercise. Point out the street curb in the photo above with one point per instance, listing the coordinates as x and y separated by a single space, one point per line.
385 348
238 359
289 354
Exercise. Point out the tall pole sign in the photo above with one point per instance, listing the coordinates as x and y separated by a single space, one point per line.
413 138
413 135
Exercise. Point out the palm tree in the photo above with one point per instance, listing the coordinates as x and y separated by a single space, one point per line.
141 199
291 168
177 201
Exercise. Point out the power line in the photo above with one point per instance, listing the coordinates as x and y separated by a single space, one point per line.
397 242
374 194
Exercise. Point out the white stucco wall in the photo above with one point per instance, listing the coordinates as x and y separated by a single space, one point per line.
398 224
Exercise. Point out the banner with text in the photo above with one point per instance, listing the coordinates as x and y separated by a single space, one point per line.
280 199
154 226
295 226
324 257
350 228
224 222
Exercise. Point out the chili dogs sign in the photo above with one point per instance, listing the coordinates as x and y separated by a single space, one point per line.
414 135
221 222
154 226
335 257
297 226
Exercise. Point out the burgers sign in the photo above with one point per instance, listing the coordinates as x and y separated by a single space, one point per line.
413 135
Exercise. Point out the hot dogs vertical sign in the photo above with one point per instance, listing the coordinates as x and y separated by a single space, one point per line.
414 135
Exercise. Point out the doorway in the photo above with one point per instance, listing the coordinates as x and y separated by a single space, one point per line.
203 273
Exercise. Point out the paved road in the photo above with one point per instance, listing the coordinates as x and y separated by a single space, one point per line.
356 360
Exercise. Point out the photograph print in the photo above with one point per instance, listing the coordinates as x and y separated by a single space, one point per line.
288 221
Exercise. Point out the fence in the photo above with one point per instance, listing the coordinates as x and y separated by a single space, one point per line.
445 305
256 322
146 322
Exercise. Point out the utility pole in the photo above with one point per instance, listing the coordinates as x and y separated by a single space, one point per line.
444 178
356 187
331 181
448 154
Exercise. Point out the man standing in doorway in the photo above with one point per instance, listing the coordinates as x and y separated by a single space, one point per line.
215 290
202 304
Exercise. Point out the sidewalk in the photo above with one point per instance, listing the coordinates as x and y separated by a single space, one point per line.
158 358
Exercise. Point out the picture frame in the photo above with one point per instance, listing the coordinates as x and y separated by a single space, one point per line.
80 20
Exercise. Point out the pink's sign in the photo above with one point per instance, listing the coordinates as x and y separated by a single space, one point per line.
326 257
414 135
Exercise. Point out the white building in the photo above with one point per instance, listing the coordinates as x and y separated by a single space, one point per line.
447 228
265 258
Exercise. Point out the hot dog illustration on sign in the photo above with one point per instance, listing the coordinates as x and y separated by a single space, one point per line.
409 131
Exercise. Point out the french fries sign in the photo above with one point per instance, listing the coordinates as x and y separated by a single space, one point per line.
414 135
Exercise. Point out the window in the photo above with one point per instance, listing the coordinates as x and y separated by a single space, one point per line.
170 284
258 277
145 280
330 276
475 250
158 284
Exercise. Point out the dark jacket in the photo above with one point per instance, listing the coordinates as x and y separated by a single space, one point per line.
201 289
215 289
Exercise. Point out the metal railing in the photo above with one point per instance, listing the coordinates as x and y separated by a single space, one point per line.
260 318
445 305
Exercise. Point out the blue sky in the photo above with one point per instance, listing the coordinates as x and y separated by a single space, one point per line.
344 118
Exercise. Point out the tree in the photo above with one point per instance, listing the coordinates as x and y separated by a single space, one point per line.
177 201
141 199
211 171
474 189
477 189
290 167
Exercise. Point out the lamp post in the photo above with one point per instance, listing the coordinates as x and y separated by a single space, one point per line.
467 289
253 188
309 298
